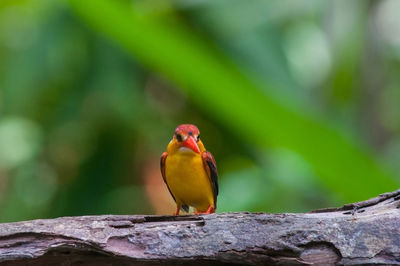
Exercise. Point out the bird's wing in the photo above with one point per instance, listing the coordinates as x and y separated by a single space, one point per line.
162 166
211 168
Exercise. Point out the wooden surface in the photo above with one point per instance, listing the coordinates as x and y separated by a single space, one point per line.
361 233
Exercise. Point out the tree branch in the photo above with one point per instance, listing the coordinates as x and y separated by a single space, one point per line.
365 232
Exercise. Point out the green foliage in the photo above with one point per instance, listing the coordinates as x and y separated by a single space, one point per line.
285 94
219 89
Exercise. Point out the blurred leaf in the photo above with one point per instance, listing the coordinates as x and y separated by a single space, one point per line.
308 53
251 186
132 194
20 141
214 84
35 184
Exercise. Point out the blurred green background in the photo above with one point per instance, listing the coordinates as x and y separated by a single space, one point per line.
297 100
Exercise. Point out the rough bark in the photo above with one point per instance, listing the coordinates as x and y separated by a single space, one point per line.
360 233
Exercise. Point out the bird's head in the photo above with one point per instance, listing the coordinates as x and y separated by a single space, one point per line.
187 136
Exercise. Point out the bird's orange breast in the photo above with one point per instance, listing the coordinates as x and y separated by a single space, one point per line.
188 180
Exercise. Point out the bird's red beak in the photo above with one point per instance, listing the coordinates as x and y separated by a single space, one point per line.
190 143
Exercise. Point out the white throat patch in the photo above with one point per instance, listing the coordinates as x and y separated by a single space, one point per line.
184 149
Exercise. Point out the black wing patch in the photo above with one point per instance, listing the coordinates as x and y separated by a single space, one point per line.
211 169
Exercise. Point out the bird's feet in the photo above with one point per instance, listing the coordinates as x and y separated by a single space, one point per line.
178 209
210 210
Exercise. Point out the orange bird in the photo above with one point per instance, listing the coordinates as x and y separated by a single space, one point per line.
190 172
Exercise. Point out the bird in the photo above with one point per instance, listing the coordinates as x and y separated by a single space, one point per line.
190 172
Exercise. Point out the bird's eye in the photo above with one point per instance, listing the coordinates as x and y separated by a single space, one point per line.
179 137
198 138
